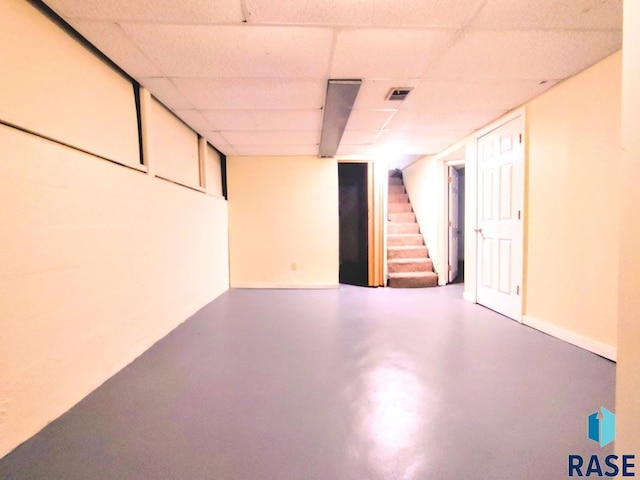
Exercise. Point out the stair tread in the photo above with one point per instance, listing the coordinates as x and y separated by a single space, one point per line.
406 247
412 274
409 260
404 235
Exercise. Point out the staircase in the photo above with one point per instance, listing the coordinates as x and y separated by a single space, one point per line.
408 262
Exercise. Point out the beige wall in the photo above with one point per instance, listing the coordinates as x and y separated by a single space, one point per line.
628 376
573 165
98 260
283 221
174 150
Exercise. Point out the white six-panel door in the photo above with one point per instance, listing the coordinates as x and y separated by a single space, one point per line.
499 225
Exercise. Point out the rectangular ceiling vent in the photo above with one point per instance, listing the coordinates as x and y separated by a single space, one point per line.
399 94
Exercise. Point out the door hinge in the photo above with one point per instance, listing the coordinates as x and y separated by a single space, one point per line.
450 268
519 214
518 290
450 224
519 138
449 179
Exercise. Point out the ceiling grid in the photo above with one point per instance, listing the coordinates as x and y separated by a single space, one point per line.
251 75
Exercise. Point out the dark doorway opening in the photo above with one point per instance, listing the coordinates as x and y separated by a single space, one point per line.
354 228
460 224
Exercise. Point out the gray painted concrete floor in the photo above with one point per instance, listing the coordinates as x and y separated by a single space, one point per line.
353 383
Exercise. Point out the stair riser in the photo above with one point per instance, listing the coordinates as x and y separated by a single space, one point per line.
414 240
399 207
398 198
410 267
418 252
402 228
413 282
402 217
394 189
395 181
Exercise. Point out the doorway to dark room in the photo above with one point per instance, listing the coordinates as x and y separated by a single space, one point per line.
456 223
354 226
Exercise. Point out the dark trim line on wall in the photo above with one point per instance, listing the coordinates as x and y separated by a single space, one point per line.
223 172
136 96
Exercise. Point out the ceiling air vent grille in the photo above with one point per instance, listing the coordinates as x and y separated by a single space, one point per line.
399 94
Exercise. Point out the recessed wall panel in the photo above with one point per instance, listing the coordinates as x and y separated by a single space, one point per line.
54 86
174 147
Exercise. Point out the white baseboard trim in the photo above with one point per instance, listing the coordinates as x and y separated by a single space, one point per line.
599 348
469 297
317 286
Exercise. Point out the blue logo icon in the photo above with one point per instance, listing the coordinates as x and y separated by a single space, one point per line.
602 427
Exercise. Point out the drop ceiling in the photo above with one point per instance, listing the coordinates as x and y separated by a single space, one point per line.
251 75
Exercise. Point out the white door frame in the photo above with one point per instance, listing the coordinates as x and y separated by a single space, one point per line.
516 114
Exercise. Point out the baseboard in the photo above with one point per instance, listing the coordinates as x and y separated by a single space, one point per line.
599 348
261 285
469 297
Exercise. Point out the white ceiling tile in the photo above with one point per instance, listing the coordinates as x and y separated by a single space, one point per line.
369 119
227 150
387 53
359 150
359 137
443 121
363 12
253 93
420 137
427 146
373 93
195 120
235 51
264 119
466 96
162 11
573 14
111 40
532 55
272 138
276 150
217 140
215 137
165 91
